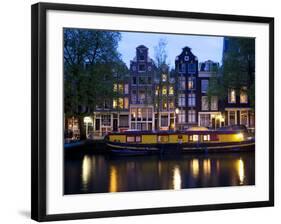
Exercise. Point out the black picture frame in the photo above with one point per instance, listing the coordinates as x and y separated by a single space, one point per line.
39 108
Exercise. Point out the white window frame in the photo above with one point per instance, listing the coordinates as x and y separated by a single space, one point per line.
228 115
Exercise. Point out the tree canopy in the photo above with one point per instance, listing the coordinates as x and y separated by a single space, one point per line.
237 71
90 61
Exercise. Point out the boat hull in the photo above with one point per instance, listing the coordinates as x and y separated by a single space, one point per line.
171 148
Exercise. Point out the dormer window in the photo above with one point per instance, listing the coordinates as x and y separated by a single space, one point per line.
141 67
141 57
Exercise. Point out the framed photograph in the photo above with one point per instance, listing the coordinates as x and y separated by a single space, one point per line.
139 111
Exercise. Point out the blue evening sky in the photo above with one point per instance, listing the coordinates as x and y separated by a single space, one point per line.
204 47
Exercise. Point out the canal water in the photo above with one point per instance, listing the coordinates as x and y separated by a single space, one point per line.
91 173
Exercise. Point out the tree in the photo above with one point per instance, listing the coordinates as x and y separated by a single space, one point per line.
90 57
160 54
238 70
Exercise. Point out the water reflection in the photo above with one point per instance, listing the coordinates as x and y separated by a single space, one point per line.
195 167
113 179
241 171
176 178
99 173
207 167
86 171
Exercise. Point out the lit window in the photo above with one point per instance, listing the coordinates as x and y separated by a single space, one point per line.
126 103
120 88
164 90
115 87
204 85
133 113
114 103
195 138
191 83
206 137
171 105
243 95
171 90
121 103
165 104
205 103
157 90
214 103
164 77
191 100
231 96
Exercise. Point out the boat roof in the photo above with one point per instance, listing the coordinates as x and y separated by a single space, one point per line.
189 131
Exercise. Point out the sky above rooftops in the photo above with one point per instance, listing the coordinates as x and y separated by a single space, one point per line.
204 47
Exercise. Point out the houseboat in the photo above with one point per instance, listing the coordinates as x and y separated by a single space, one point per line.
171 142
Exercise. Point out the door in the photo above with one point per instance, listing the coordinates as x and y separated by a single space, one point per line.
115 125
97 124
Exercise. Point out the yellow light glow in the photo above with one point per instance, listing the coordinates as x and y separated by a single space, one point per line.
113 187
241 171
240 137
195 138
207 167
195 167
86 170
114 103
176 178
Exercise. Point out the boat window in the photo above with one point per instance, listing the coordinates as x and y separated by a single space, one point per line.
195 138
163 138
138 138
206 137
130 138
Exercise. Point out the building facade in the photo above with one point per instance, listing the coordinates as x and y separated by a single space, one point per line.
210 108
164 99
186 66
142 73
237 108
148 98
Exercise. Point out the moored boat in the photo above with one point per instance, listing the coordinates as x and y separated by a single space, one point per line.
172 142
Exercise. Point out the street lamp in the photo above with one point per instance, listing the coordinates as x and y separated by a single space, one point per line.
87 120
